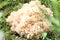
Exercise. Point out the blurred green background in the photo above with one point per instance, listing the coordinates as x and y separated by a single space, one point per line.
7 6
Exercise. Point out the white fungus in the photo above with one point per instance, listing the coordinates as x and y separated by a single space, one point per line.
30 20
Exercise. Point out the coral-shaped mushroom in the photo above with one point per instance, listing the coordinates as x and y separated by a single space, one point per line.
30 20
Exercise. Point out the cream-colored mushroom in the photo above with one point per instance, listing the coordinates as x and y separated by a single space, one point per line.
30 19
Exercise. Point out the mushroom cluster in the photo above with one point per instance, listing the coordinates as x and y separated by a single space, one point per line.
30 20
